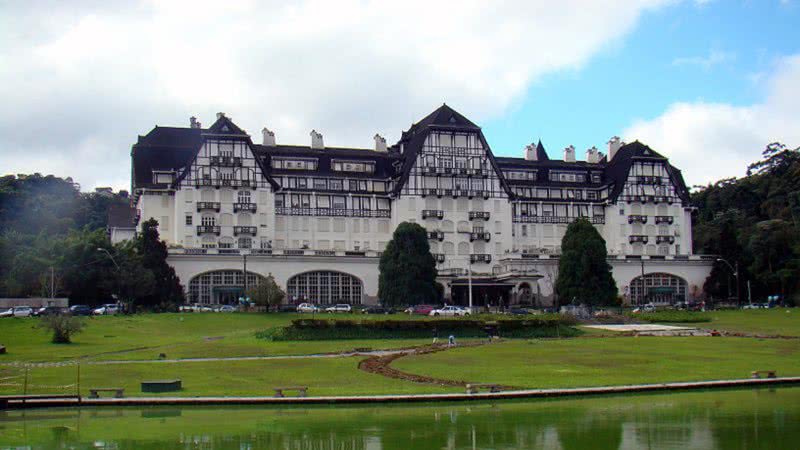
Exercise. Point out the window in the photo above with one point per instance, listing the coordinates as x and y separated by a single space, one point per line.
188 219
302 183
323 201
591 195
383 204
354 166
294 164
339 202
320 183
335 185
244 196
209 221
524 230
280 200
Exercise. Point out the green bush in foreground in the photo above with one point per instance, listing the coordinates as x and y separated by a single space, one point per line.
673 316
63 326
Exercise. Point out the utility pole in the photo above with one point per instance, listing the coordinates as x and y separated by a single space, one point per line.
641 294
52 283
244 274
469 282
735 270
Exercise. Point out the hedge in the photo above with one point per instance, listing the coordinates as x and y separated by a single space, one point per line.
673 316
324 329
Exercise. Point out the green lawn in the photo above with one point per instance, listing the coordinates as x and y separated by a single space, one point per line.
608 361
326 376
777 321
191 335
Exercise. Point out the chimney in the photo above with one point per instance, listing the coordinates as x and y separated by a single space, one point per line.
569 154
193 123
316 140
220 115
592 155
614 144
268 138
380 143
530 152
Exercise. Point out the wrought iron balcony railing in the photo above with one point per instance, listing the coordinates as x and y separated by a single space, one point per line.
637 219
432 213
202 206
206 229
664 219
637 238
484 215
244 207
480 258
245 230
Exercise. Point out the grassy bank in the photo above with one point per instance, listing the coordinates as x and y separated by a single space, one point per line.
609 361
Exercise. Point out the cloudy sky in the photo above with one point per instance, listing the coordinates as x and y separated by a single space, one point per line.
707 83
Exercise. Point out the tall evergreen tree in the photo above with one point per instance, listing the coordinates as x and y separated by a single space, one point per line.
407 268
153 251
584 275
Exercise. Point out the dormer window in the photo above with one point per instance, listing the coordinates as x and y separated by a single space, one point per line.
353 166
294 163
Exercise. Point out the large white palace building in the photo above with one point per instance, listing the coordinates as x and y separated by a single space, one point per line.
317 218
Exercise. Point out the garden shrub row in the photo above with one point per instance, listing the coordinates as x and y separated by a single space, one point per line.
323 329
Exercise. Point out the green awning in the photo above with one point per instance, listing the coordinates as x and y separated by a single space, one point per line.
662 290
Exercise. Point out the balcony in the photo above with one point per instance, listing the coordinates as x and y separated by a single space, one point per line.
244 230
432 214
480 258
226 161
202 206
664 219
439 257
251 207
249 183
203 182
637 238
663 239
637 219
482 215
229 183
208 229
480 235
438 235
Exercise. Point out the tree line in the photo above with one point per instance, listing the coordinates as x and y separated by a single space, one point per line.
54 242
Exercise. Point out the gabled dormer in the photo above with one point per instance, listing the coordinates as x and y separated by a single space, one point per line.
225 126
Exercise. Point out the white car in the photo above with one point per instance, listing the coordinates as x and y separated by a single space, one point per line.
307 308
339 308
106 310
17 311
450 311
227 309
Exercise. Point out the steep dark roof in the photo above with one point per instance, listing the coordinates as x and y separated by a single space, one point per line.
618 168
163 148
443 118
384 161
121 216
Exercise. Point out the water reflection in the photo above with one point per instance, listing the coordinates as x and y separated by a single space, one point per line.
711 420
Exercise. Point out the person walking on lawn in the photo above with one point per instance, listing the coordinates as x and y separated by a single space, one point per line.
435 336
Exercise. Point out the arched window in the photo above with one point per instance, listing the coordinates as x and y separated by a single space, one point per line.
448 248
659 288
447 225
243 197
325 287
434 247
244 220
463 248
221 286
245 242
226 242
208 221
226 195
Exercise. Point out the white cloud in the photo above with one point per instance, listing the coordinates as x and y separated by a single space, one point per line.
79 83
710 141
715 57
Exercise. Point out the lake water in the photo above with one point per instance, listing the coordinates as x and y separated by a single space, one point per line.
731 419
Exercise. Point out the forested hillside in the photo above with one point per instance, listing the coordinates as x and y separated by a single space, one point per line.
51 235
753 221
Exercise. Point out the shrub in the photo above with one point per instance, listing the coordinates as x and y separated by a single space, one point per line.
62 327
673 316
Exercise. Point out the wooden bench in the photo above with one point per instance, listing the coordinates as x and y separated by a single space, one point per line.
118 392
475 388
302 391
758 373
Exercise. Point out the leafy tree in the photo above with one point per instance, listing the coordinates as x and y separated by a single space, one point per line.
63 326
584 275
407 268
267 293
153 251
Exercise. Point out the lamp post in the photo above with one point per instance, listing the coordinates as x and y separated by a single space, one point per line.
735 269
102 250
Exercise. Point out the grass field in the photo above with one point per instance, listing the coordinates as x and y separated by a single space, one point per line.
609 361
587 361
777 321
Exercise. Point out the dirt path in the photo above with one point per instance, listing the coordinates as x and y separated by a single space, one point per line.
381 365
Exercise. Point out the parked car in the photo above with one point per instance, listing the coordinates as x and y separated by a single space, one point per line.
8 312
80 310
755 306
49 311
287 308
518 311
423 310
339 308
19 311
377 309
106 310
449 311
307 308
227 309
648 308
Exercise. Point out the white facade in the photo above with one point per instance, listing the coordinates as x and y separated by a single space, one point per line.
287 211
